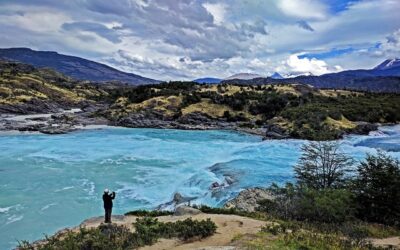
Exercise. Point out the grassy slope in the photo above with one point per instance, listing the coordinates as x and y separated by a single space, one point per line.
18 86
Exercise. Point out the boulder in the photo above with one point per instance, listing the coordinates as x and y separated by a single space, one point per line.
248 199
275 131
177 200
185 210
363 128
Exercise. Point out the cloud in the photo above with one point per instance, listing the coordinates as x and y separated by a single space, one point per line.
299 66
186 39
217 10
303 24
390 47
97 28
306 9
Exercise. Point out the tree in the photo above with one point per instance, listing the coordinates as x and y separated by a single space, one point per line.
377 189
322 165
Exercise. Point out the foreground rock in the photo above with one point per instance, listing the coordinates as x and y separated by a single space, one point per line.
176 201
248 199
186 210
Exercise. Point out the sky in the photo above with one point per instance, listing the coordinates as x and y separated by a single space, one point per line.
188 39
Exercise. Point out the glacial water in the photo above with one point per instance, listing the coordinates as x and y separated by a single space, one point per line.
51 182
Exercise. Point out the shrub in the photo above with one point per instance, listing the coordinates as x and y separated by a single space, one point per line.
377 189
151 213
217 210
305 204
327 205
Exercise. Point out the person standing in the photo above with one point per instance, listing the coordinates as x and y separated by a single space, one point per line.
108 204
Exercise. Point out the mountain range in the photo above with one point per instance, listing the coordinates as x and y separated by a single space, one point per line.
239 76
208 80
75 67
383 78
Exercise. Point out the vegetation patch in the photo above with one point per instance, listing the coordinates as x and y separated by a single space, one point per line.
148 213
111 236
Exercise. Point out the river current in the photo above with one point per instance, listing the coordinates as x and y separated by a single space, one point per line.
48 182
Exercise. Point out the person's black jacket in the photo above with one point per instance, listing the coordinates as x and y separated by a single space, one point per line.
107 199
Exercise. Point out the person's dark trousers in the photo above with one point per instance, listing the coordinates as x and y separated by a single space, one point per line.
107 215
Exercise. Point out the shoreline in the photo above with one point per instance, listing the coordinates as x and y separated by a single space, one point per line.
67 121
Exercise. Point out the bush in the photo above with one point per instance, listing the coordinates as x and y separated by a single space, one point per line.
377 189
151 213
305 204
102 238
217 210
327 205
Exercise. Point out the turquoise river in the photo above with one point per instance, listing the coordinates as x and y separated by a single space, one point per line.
49 182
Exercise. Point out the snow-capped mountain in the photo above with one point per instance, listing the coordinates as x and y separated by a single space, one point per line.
388 64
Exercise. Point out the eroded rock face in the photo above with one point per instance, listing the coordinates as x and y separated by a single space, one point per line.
248 199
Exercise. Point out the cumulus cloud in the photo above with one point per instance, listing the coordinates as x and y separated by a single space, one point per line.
307 66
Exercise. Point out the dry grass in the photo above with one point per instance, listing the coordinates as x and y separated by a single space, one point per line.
167 105
343 123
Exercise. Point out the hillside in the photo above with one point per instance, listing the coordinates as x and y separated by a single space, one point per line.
26 89
72 66
279 111
274 111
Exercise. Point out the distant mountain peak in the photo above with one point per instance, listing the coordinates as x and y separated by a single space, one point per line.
207 80
276 75
388 64
243 76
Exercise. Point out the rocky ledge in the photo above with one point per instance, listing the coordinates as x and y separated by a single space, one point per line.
57 122
248 199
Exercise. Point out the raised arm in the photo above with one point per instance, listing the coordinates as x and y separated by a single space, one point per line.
112 195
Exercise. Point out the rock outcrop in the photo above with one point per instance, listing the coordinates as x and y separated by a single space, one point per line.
248 199
363 128
186 210
177 200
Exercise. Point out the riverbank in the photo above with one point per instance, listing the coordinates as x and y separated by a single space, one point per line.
65 121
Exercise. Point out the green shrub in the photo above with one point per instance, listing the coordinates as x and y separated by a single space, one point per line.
300 203
377 189
217 210
149 213
327 205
